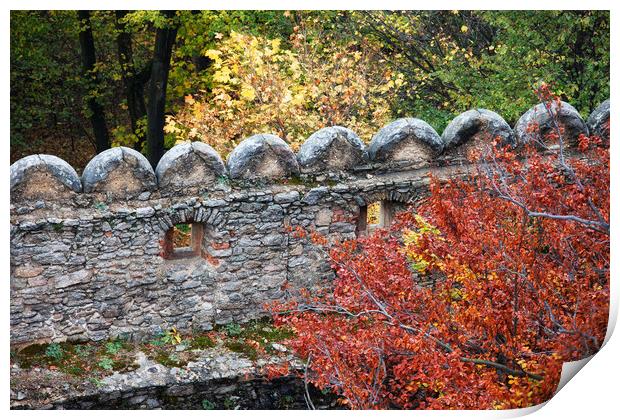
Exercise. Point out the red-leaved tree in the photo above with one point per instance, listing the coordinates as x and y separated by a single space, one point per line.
520 254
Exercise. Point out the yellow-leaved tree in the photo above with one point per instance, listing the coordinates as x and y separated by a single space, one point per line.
260 87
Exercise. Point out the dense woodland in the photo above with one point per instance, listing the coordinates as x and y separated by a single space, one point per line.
85 81
521 248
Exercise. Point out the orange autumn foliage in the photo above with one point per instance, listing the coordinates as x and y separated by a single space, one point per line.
521 249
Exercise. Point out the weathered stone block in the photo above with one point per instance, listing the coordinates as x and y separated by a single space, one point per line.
28 271
331 149
43 177
476 129
195 166
263 156
120 172
408 141
286 197
323 217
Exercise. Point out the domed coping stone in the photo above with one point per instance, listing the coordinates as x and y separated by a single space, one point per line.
331 149
406 143
568 118
119 172
189 166
598 121
43 177
473 130
262 156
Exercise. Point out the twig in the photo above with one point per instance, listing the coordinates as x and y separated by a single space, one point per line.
307 392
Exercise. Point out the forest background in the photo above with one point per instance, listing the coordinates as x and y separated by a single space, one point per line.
82 82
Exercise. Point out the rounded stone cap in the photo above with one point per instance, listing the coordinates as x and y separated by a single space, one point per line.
189 165
331 149
262 156
475 128
121 172
598 121
406 139
568 117
43 177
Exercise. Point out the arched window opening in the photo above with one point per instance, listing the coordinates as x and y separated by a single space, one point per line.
379 214
183 240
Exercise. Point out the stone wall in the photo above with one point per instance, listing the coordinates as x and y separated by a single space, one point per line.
92 257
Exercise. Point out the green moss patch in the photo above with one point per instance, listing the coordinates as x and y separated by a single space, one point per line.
242 347
202 342
253 338
171 349
78 359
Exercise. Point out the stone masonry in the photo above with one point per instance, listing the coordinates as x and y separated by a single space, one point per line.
91 256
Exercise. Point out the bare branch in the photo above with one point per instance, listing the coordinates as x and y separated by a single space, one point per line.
307 392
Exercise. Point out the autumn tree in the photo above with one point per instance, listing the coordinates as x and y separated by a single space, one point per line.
428 64
259 85
520 252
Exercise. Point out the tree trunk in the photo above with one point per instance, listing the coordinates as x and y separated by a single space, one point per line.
89 60
164 41
133 81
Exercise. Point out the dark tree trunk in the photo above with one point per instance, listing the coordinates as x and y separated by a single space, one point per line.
133 80
164 41
89 60
200 62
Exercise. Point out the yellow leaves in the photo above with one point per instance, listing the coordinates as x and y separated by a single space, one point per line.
171 126
193 132
399 80
424 226
421 260
295 67
260 71
172 336
213 54
298 99
236 37
386 87
456 294
222 75
258 84
248 93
